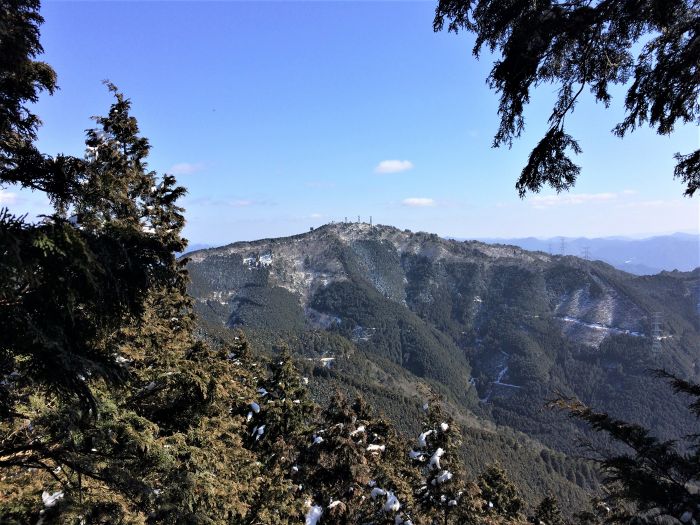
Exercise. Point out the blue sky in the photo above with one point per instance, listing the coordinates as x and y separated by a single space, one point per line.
278 116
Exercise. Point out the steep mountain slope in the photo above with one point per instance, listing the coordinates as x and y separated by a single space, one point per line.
497 329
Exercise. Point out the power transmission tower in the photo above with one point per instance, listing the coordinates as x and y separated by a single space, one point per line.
656 333
563 246
550 247
586 253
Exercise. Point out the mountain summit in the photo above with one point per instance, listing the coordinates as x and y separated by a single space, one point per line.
496 328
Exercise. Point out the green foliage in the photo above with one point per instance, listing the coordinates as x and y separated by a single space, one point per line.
649 480
392 332
548 513
110 406
581 45
443 491
480 313
357 464
499 494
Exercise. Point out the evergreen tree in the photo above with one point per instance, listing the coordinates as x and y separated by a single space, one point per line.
283 404
111 410
652 481
279 422
499 494
443 493
347 476
548 513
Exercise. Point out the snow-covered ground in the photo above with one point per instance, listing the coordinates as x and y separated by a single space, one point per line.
501 373
596 326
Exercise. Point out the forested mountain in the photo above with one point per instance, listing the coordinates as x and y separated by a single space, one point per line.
387 373
496 329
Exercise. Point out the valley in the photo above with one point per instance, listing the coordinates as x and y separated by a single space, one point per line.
497 330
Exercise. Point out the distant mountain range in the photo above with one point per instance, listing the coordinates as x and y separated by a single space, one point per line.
649 256
495 328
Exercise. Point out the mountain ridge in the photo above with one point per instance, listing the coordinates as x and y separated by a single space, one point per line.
647 255
496 329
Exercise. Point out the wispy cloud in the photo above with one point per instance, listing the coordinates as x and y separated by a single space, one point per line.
316 216
7 197
186 168
656 203
319 184
418 202
393 166
227 202
568 199
241 203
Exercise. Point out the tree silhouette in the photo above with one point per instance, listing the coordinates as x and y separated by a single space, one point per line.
584 44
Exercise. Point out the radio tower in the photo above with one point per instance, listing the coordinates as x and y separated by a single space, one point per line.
656 333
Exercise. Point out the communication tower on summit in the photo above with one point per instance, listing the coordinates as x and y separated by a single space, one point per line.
563 246
656 333
586 253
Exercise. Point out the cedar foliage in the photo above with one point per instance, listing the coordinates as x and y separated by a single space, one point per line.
111 410
578 45
548 513
650 480
114 411
443 485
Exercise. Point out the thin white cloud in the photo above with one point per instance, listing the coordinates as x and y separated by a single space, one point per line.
208 202
315 216
7 197
418 202
241 203
567 199
186 168
658 203
393 166
319 184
